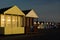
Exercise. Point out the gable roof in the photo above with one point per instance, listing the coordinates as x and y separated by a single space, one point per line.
30 13
26 11
2 10
14 10
11 10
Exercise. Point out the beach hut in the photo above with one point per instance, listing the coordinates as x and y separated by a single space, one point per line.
30 15
11 21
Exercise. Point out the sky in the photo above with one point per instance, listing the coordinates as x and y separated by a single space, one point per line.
47 10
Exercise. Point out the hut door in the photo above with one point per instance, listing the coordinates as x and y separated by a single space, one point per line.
31 21
31 25
27 26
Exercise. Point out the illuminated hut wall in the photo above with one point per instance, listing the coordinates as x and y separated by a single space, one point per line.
11 21
30 15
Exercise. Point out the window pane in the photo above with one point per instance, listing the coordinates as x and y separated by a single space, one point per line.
2 20
8 20
20 21
14 21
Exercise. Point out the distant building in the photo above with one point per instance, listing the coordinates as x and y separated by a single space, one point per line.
58 25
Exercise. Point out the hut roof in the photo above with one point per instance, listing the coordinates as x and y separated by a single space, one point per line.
14 10
30 13
2 10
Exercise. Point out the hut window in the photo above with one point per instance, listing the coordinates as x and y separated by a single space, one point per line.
19 21
22 21
2 21
14 21
8 21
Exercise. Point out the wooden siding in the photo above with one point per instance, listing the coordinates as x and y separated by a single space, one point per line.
31 21
27 25
10 24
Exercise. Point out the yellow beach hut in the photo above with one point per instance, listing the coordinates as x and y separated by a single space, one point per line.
11 21
30 15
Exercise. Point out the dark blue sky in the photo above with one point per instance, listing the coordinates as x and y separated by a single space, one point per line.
47 10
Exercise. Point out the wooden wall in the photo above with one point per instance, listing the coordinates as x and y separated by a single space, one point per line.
28 24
